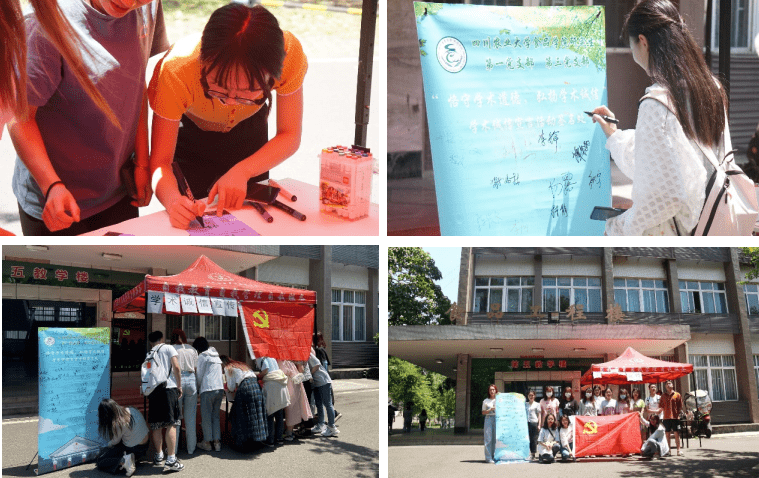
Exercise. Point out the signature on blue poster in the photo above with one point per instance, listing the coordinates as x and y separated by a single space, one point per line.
74 376
506 89
512 436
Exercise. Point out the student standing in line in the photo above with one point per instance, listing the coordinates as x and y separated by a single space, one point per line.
323 389
163 404
210 387
638 405
248 413
299 409
488 409
652 402
187 357
276 397
672 405
609 404
68 173
598 397
623 404
568 405
588 404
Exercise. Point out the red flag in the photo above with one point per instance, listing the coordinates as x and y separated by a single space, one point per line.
607 435
278 330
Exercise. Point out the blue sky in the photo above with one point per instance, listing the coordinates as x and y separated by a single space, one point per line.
448 260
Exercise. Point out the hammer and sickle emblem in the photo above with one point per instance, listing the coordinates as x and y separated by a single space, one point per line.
263 317
590 428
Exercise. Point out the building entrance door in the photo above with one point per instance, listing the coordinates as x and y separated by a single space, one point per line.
523 382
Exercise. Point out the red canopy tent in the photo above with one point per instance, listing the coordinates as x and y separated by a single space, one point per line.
277 321
624 369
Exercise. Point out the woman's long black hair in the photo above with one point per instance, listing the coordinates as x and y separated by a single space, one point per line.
676 62
246 38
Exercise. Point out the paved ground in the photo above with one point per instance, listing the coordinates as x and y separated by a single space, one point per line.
731 455
354 453
331 42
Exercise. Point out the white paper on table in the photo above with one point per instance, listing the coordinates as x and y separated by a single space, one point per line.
155 302
230 307
188 304
217 305
172 303
204 305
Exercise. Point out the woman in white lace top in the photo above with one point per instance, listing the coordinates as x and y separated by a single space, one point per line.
663 154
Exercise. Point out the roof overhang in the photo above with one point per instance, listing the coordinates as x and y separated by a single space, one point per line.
426 345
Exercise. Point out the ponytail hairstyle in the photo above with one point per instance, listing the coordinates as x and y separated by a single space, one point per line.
227 362
238 37
13 80
675 62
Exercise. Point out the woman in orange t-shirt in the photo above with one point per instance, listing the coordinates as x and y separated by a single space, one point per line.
211 95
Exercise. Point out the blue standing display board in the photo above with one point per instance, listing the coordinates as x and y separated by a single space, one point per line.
506 89
74 376
512 439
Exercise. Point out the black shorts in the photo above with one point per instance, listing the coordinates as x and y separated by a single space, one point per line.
671 425
163 408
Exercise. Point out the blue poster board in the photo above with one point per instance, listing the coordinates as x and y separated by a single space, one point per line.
74 376
506 89
512 439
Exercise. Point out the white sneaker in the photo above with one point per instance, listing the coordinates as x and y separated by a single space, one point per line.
204 445
318 430
129 465
217 445
330 432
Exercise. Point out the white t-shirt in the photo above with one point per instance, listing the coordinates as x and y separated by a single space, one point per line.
533 411
187 357
566 436
487 404
653 402
550 406
164 354
235 376
608 407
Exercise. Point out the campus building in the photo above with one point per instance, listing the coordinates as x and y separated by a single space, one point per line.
75 286
529 317
411 186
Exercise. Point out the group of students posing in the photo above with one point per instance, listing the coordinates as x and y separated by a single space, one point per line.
81 119
259 414
551 428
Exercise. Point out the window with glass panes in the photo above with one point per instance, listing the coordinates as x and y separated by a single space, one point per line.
752 298
44 314
740 24
15 334
641 295
561 292
513 294
716 373
69 314
212 327
703 297
348 315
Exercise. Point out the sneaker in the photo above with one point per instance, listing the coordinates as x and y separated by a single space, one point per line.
318 430
173 466
204 445
289 437
337 415
158 459
270 445
129 464
217 445
330 432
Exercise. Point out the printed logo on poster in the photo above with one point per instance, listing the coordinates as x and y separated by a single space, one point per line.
49 341
451 54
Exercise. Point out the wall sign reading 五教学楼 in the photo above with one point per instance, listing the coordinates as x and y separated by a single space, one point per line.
506 89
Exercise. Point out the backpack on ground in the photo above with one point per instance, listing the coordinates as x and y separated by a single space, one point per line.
730 204
152 372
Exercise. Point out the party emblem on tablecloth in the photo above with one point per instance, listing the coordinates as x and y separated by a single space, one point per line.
263 317
590 428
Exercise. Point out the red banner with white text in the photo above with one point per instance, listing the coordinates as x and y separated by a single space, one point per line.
607 435
281 330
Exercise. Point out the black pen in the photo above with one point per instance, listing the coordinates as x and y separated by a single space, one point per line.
608 119
289 210
182 183
262 211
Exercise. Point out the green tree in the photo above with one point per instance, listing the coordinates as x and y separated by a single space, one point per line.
413 296
753 255
427 390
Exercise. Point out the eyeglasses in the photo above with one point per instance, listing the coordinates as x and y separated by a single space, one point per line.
243 101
